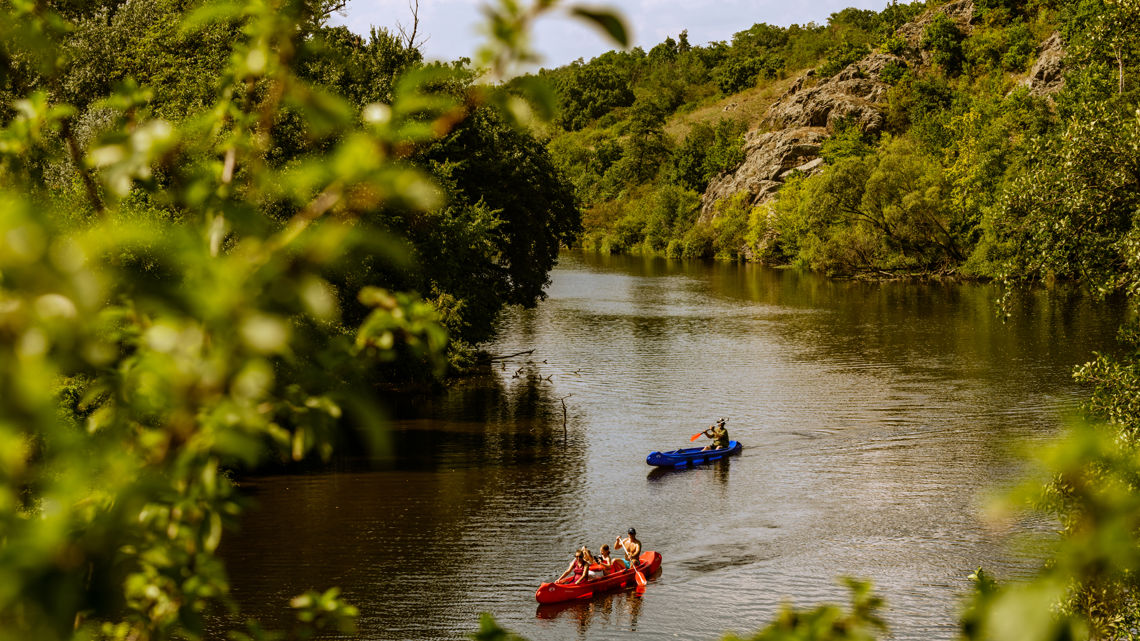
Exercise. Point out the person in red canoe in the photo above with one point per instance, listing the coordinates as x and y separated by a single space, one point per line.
604 557
718 434
631 546
602 565
578 567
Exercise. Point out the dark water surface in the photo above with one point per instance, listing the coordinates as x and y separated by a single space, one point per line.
874 417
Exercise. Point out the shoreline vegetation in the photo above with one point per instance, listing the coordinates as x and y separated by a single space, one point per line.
918 140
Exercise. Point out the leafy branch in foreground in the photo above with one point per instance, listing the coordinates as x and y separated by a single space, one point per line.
169 312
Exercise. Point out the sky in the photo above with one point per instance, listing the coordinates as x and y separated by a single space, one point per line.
450 27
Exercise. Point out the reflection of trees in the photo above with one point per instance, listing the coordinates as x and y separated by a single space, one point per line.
436 514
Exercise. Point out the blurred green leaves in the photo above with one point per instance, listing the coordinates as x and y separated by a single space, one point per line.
173 306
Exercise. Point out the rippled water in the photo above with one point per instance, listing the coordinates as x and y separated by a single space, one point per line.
874 417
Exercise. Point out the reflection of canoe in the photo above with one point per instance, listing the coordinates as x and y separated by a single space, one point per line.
648 563
692 455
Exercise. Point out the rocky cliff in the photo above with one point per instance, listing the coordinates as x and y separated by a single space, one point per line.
795 126
1046 77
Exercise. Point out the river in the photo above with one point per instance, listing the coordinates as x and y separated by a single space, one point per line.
876 418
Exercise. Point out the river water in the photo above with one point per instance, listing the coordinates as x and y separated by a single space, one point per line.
875 418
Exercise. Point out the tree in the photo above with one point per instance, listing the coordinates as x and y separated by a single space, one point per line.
586 92
943 39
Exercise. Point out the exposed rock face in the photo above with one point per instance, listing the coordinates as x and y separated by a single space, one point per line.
768 159
960 11
849 94
1046 77
800 120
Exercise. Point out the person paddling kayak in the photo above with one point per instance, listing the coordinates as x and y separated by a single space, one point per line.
718 434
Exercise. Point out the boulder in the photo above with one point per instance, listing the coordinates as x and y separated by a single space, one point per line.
1046 77
767 157
809 168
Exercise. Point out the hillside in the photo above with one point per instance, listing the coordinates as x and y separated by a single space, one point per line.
888 142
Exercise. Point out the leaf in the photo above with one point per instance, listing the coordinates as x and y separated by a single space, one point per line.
209 14
607 21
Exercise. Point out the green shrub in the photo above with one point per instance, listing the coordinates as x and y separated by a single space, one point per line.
893 72
943 39
840 56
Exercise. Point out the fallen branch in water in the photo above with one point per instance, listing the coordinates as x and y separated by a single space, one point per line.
508 356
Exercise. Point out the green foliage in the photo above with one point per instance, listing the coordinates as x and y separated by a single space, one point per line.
847 141
509 214
827 622
645 148
883 212
588 91
1103 50
1088 480
737 75
995 144
1071 215
1010 48
707 151
943 39
894 44
1115 383
839 57
921 107
893 72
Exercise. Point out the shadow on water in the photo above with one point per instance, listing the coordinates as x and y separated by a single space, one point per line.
461 476
717 470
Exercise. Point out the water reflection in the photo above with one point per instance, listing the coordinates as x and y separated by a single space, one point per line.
618 610
465 478
873 417
716 471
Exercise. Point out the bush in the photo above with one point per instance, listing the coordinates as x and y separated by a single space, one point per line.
698 242
893 72
943 39
840 56
707 151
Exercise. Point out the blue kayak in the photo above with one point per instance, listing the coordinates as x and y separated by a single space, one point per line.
691 456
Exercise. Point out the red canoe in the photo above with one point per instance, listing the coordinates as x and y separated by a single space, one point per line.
648 563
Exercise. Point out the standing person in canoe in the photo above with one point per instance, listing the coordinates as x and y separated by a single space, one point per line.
718 434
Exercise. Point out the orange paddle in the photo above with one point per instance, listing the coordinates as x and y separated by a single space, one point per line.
697 435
